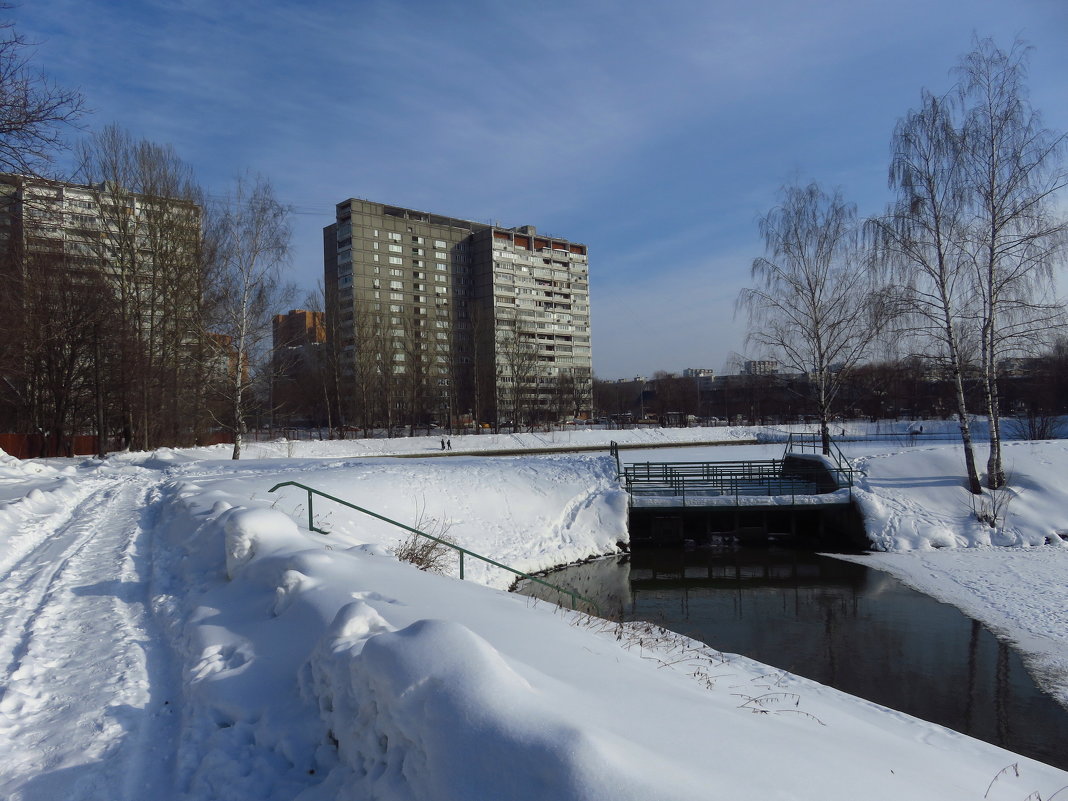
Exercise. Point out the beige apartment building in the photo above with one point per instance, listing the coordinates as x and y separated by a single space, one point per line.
453 320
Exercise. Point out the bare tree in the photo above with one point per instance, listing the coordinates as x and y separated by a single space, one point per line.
814 303
518 373
365 361
253 244
919 242
148 246
1014 171
34 112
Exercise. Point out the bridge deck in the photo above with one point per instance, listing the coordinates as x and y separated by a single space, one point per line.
770 482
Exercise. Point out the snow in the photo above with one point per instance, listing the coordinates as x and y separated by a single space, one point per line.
170 629
917 499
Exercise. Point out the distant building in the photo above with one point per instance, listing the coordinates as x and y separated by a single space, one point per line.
702 377
1020 366
760 367
299 340
450 317
298 328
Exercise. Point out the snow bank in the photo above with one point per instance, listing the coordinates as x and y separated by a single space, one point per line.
435 711
316 670
29 493
528 512
917 499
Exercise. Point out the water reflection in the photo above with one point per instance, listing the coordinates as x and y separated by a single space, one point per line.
841 624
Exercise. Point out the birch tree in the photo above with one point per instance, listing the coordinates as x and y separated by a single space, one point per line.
253 245
814 303
919 242
1014 169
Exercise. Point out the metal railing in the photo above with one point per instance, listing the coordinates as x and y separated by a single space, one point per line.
842 469
575 597
697 481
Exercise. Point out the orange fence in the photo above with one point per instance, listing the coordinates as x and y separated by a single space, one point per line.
37 446
33 446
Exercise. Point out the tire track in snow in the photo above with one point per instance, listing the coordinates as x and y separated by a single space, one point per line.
79 712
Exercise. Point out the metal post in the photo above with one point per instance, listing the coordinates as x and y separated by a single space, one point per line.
461 565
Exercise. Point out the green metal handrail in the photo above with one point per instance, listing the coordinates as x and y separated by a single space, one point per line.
814 442
461 551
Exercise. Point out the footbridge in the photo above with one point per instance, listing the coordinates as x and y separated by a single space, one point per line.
805 495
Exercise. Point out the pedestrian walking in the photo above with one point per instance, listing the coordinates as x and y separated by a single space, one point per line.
443 443
449 443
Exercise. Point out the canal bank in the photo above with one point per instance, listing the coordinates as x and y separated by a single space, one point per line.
856 629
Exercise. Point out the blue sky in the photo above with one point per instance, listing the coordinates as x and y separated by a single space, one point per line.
656 133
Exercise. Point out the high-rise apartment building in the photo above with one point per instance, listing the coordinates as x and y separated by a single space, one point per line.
449 318
81 262
126 236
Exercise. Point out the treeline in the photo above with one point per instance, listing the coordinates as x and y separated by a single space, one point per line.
957 271
1033 391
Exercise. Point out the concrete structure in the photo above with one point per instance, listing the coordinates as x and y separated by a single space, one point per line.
451 318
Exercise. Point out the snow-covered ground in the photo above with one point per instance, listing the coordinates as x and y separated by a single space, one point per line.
169 629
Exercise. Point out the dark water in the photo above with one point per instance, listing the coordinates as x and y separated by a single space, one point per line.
841 624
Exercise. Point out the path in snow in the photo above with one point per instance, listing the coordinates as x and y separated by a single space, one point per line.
84 691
